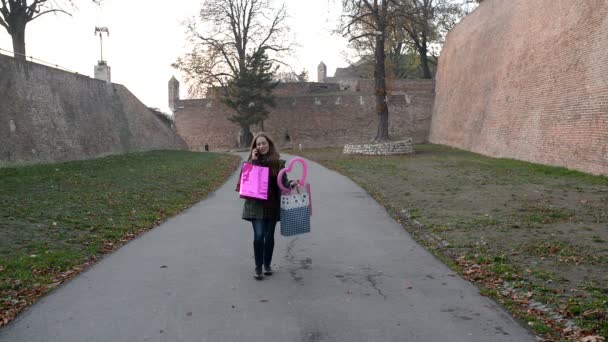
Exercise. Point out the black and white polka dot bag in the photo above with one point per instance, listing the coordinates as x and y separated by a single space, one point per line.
295 212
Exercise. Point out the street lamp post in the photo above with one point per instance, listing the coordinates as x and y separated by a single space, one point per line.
101 30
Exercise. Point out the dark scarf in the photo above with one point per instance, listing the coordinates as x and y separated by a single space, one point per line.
273 164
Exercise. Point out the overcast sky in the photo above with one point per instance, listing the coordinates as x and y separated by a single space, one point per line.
145 39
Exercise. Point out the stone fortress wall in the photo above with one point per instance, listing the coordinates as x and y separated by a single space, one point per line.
50 115
516 79
527 80
311 114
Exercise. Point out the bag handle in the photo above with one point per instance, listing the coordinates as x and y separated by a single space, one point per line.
289 168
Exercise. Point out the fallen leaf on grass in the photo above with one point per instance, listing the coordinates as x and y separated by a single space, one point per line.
479 274
594 312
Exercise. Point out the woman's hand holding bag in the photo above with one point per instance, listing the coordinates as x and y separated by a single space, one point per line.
296 205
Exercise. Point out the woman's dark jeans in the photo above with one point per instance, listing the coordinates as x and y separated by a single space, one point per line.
263 241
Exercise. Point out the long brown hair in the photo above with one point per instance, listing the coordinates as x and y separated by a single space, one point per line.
272 156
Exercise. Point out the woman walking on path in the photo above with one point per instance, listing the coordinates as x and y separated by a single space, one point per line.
264 214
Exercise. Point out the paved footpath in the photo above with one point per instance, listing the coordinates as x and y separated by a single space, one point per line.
358 276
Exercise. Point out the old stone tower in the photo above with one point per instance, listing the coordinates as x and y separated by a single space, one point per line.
321 73
173 93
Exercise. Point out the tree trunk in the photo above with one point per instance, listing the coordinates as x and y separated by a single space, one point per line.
245 136
396 59
423 46
424 63
18 35
380 76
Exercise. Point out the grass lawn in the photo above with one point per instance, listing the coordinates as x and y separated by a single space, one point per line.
56 219
533 237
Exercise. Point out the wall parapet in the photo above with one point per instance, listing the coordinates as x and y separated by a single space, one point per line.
319 99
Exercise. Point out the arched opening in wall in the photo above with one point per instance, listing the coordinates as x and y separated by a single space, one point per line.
287 137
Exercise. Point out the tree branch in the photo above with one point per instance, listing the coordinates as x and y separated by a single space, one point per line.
219 47
369 6
33 8
3 23
360 18
49 11
4 10
361 36
278 18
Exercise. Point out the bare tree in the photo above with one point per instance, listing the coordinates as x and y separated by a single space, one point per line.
233 30
291 76
415 32
16 14
399 52
425 23
369 20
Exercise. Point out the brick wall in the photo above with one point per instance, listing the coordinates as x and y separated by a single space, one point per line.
289 88
303 88
49 115
313 121
406 86
527 80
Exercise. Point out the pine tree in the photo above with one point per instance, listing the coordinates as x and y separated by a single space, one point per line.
250 93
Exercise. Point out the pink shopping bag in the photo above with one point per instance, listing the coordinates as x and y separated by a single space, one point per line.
254 181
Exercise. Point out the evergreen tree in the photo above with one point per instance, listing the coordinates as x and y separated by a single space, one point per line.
250 93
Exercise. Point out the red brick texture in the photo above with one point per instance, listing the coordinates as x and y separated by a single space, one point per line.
527 80
49 115
395 86
310 120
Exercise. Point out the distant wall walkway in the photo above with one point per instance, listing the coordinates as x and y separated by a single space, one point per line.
527 80
50 115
